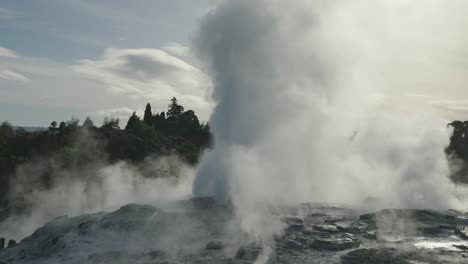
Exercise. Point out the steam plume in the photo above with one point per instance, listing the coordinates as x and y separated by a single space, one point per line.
303 111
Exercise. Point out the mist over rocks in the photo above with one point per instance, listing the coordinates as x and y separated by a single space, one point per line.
185 232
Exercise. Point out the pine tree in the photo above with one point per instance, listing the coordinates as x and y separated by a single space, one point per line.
148 117
132 122
6 129
88 122
110 123
175 110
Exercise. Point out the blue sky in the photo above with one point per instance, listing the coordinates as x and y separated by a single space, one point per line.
98 58
64 58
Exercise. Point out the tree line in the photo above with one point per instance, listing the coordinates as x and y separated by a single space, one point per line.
67 145
457 151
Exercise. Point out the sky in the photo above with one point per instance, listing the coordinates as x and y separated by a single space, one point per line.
101 58
62 58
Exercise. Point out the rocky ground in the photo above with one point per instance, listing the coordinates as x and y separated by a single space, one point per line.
199 231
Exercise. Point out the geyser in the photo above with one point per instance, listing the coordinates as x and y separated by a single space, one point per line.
306 107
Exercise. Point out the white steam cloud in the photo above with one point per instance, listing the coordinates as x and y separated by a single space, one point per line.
92 188
302 113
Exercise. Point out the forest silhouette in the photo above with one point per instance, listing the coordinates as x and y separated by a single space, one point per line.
70 146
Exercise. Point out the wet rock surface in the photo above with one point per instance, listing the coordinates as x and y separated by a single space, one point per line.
462 232
199 231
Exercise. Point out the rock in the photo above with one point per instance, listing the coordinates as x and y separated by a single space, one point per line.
462 232
370 234
292 220
332 220
296 242
462 221
326 228
410 222
181 233
336 243
309 231
214 245
450 227
294 245
248 253
350 227
373 256
2 243
129 218
461 247
11 243
294 223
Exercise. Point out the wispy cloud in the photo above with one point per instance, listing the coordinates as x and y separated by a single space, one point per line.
13 76
121 112
114 84
8 74
176 49
150 74
4 52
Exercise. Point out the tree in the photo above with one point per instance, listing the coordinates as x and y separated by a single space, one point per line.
147 118
62 127
190 118
53 125
6 130
175 110
88 122
72 123
110 123
132 122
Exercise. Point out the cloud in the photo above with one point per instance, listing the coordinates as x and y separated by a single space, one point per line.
453 108
8 74
111 85
13 76
123 113
150 74
176 49
4 52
